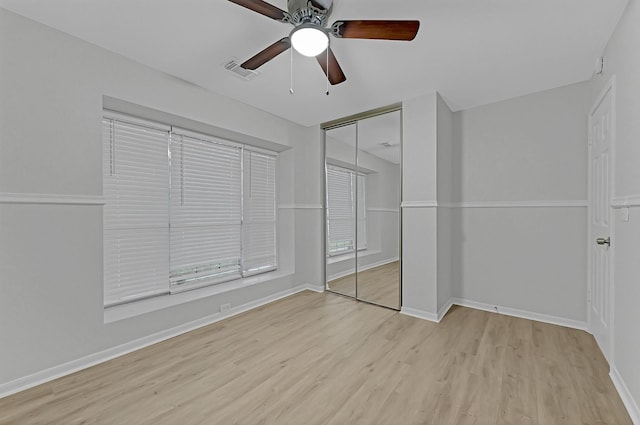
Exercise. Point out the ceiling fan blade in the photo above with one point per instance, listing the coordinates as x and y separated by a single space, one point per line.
335 74
263 8
376 30
267 54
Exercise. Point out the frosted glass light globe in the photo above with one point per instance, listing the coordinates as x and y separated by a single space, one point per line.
309 41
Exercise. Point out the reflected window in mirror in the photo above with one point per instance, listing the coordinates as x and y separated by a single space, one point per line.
346 196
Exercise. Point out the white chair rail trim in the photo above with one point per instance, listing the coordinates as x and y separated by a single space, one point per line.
49 198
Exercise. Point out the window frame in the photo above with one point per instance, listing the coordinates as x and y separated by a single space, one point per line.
223 284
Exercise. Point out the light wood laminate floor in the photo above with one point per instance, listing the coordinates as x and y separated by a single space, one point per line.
379 285
324 359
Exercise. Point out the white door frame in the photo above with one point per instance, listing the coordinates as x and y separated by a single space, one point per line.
610 86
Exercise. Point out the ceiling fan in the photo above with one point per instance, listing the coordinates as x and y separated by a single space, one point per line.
310 35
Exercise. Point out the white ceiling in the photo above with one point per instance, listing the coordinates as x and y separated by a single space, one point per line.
473 52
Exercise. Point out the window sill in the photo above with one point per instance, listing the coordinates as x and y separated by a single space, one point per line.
350 256
136 308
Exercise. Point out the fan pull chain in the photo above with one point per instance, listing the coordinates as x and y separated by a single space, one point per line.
327 70
291 73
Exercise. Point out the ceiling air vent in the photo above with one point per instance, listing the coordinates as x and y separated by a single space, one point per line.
234 66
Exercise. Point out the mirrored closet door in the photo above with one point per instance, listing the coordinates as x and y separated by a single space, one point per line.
363 186
340 209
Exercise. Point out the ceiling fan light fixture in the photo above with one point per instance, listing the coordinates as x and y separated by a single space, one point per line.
309 40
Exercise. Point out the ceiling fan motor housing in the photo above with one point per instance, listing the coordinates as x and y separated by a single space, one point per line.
308 12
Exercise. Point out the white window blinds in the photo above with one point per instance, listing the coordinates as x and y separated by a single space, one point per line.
136 249
259 212
206 211
340 211
342 198
182 210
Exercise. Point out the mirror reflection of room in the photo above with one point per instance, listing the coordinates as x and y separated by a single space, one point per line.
341 209
363 214
378 263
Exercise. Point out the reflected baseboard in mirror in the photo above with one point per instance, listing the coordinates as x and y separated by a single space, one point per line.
379 285
345 285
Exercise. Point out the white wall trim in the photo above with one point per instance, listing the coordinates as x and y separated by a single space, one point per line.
445 309
389 210
309 287
419 204
300 207
626 201
523 314
339 275
625 395
516 204
419 314
49 198
73 366
561 321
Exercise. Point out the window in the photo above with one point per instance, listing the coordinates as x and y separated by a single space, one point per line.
343 201
183 210
135 223
259 218
206 211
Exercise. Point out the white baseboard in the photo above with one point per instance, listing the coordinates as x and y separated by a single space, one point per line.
625 395
425 315
444 310
55 372
523 314
419 314
561 321
314 288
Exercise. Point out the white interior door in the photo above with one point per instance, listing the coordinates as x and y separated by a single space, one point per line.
600 176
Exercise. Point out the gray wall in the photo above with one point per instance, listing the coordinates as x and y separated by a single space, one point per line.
51 93
623 60
528 148
523 151
419 216
445 173
309 215
509 229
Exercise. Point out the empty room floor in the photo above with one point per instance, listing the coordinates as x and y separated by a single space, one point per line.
324 359
378 285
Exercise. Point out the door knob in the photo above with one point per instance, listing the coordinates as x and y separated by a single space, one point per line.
603 241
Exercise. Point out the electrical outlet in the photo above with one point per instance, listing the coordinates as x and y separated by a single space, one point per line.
224 307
